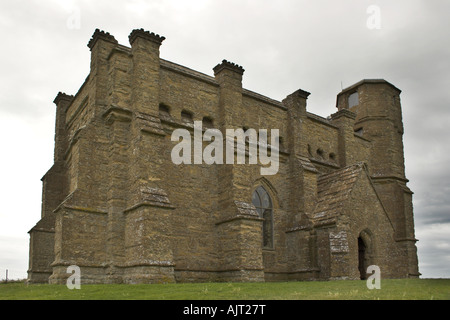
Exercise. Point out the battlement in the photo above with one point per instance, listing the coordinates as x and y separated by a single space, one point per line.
62 97
99 34
151 36
228 65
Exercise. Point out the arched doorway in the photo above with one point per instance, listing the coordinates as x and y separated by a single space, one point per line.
362 258
365 252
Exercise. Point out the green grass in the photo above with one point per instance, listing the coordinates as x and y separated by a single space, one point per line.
406 289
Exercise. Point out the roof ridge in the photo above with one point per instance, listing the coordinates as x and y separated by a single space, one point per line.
343 172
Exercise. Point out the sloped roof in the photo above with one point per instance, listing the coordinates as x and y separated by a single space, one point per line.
333 189
46 224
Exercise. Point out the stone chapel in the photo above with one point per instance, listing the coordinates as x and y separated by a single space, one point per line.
114 203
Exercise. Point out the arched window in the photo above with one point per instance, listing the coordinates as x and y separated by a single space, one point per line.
263 203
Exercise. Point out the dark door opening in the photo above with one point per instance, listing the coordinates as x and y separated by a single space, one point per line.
362 259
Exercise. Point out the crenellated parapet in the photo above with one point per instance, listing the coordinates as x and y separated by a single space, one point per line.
61 96
100 34
228 65
141 33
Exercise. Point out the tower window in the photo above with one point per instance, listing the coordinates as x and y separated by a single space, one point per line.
353 99
263 203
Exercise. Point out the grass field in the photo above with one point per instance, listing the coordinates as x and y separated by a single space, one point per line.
409 289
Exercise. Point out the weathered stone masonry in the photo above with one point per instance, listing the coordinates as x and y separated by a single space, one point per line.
114 204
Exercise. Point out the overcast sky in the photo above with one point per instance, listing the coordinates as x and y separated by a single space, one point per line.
317 45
